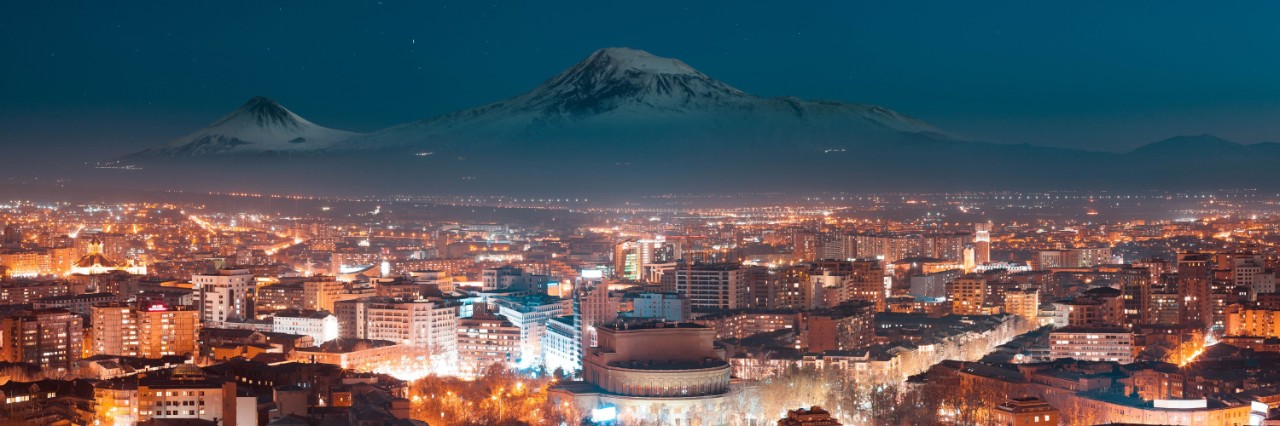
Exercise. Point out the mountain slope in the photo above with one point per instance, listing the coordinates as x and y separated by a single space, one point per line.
621 100
260 126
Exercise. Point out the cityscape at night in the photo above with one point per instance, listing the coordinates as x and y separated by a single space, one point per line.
639 214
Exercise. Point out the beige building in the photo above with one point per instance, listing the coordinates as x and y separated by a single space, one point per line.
1023 302
152 331
968 294
1092 344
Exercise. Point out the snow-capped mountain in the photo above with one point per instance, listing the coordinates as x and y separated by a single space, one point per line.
260 126
619 100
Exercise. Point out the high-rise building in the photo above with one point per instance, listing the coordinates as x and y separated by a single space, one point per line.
982 243
968 293
485 339
530 315
150 331
50 338
848 327
709 286
225 295
1194 276
1024 303
167 330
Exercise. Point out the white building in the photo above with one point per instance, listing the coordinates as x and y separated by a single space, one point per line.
561 346
661 306
715 286
224 295
531 314
428 327
320 325
1092 344
510 277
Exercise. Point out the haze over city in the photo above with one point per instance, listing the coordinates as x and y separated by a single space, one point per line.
621 214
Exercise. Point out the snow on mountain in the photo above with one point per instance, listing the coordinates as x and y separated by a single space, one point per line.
630 99
260 126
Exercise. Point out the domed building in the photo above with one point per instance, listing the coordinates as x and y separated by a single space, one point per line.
95 263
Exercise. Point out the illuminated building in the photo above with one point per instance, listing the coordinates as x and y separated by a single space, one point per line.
709 286
812 416
167 330
1024 303
224 296
1194 275
866 281
833 245
968 293
320 293
1252 322
804 245
485 339
509 277
427 327
1097 307
184 392
50 338
153 331
1028 411
364 355
321 326
933 286
661 306
562 346
738 324
277 297
1247 270
982 243
344 263
530 314
76 303
642 369
95 262
115 330
850 326
26 263
891 247
1092 344
1080 257
632 257
1165 308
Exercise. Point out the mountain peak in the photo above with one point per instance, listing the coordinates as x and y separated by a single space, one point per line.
616 77
264 112
625 59
259 125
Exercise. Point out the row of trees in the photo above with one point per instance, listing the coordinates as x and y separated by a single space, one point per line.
498 397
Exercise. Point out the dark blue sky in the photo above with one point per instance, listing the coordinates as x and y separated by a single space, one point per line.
108 79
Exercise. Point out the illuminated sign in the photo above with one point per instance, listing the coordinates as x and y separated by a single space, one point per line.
157 308
592 274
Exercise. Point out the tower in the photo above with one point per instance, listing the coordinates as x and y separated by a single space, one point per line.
1194 275
982 242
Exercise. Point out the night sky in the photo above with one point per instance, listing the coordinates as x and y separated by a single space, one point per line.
103 79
